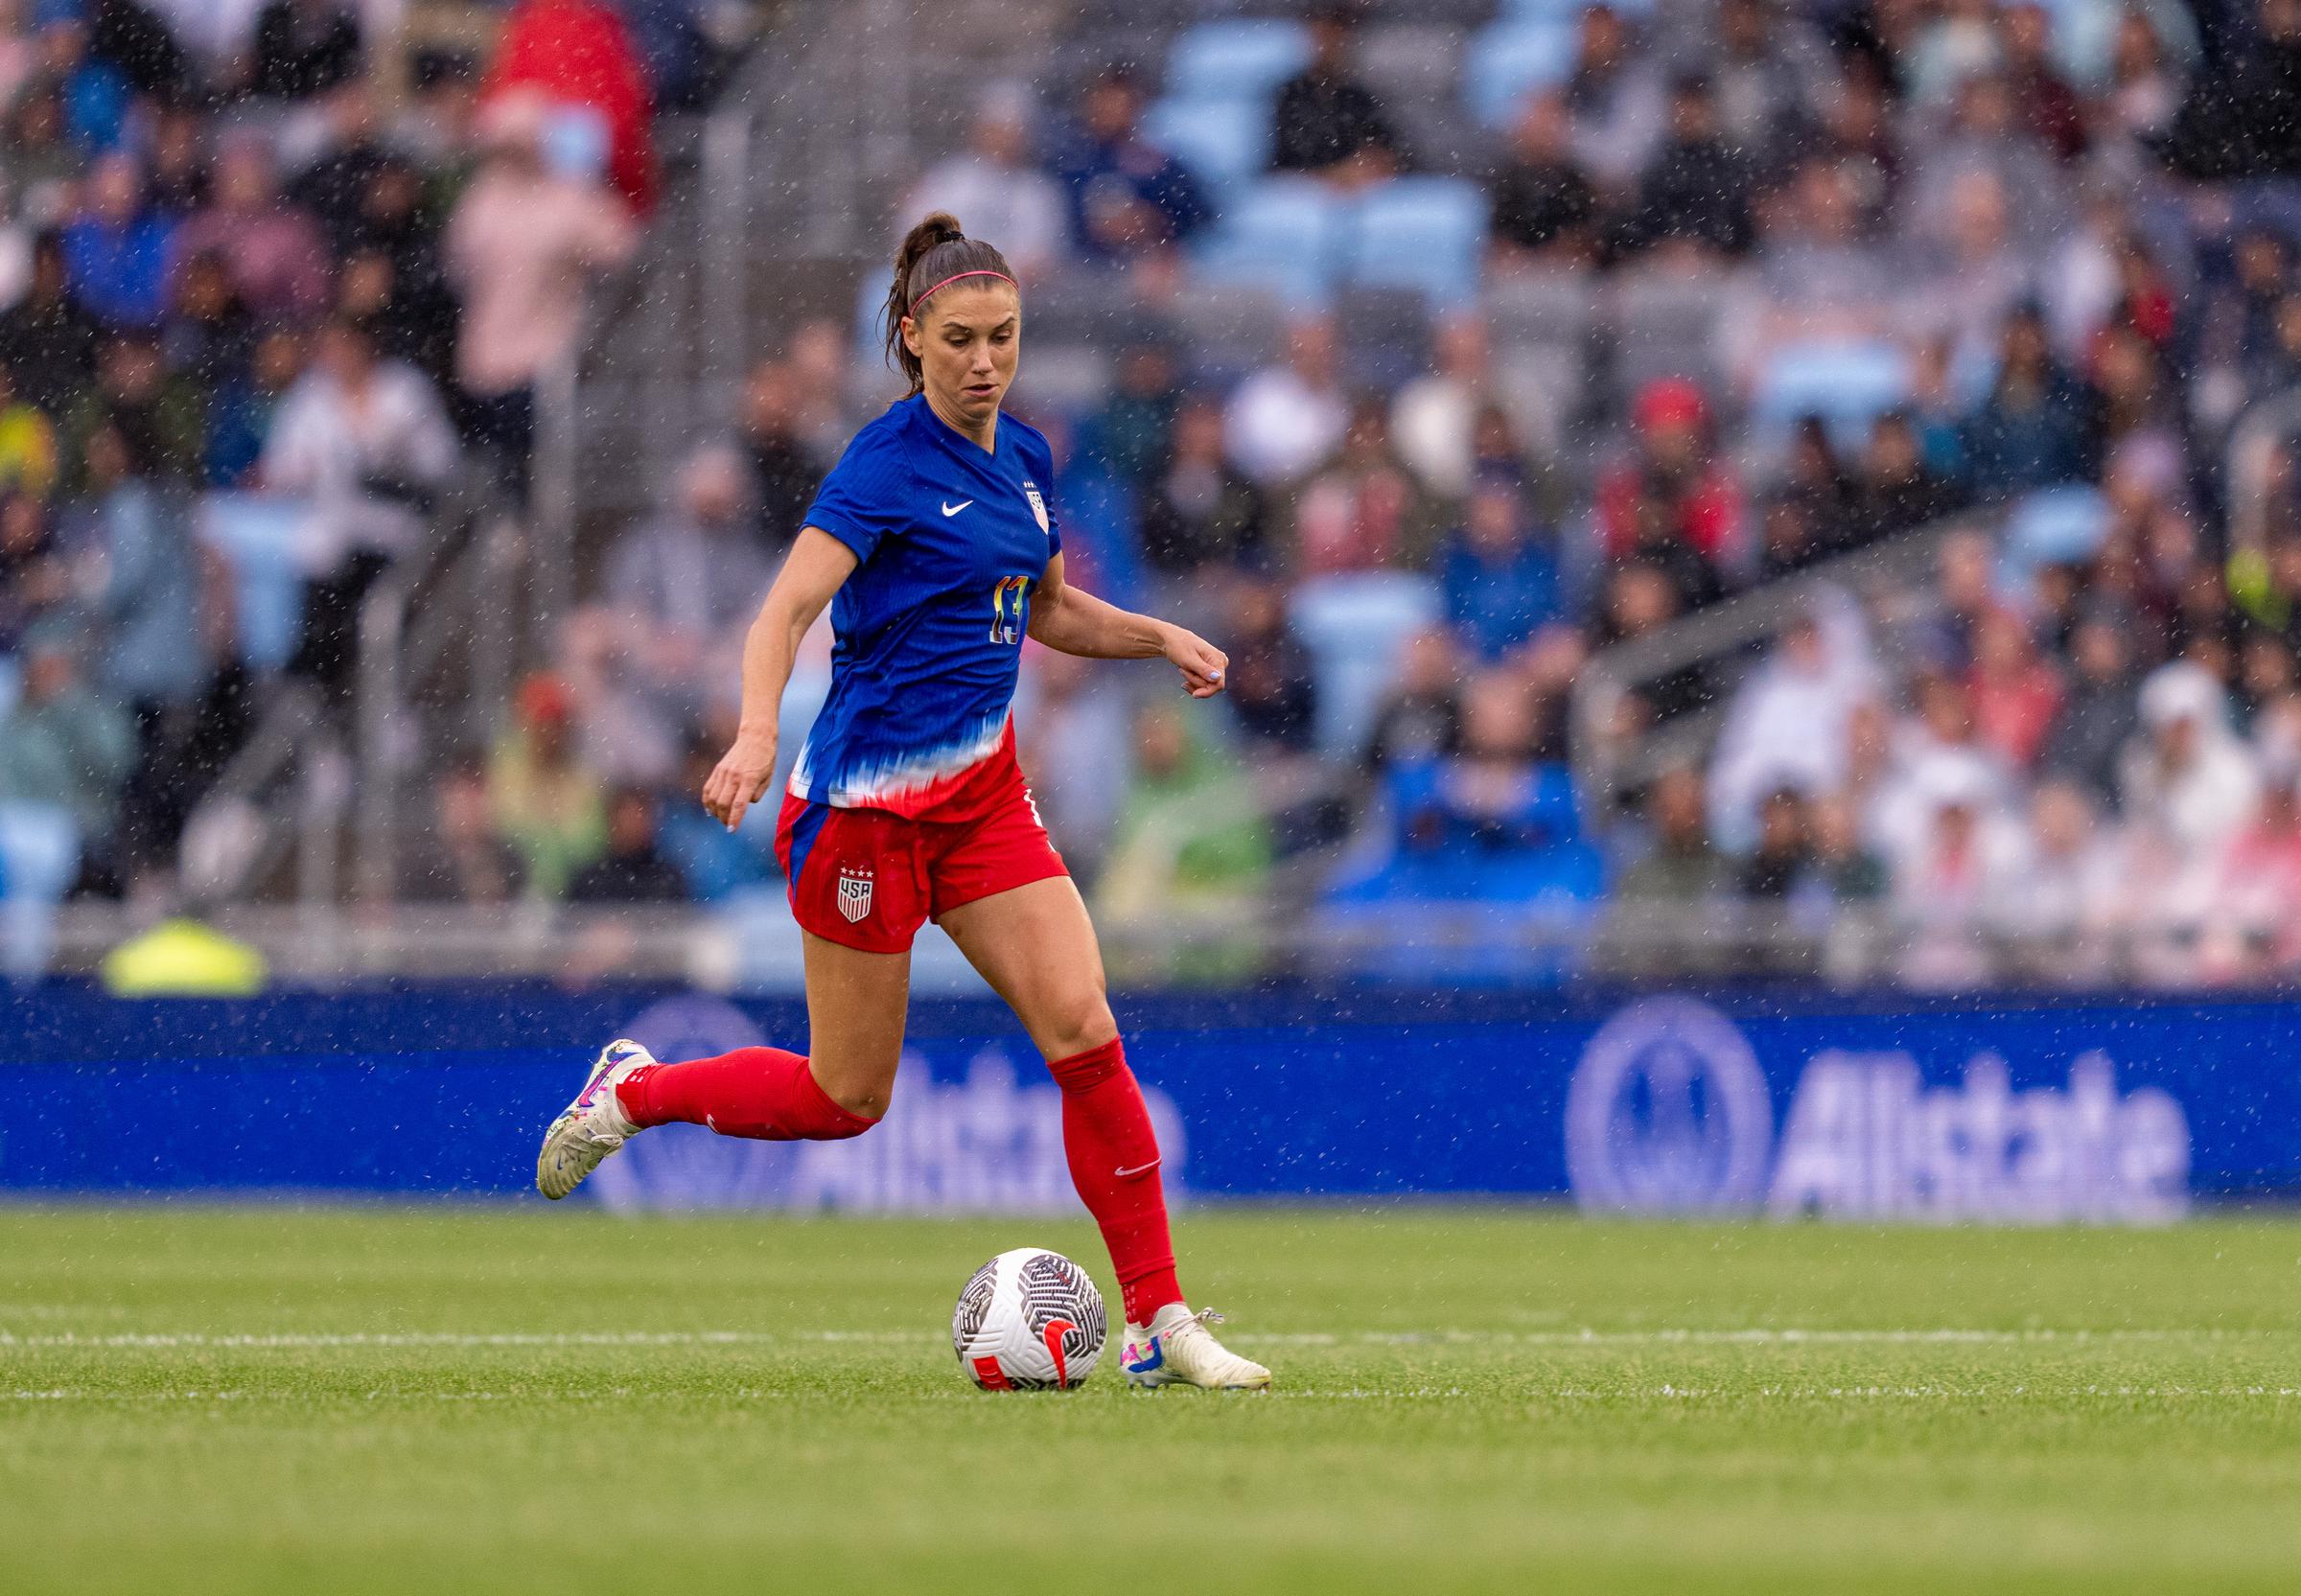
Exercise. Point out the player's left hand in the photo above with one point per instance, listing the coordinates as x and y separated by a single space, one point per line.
1204 667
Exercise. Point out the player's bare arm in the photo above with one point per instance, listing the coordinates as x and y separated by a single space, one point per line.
812 573
1071 620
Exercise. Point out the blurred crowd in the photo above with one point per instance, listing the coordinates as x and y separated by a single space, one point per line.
262 304
1755 292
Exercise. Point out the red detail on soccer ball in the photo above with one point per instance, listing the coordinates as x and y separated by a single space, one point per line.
989 1375
1055 1330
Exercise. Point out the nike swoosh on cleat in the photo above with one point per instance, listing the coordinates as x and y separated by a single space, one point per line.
954 509
1137 1171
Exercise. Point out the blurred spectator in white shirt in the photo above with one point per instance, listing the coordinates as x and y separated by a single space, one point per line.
2055 899
1286 420
1945 883
994 189
2186 775
1432 417
365 443
1937 753
1787 725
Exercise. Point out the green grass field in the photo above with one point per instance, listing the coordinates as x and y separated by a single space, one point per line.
446 1401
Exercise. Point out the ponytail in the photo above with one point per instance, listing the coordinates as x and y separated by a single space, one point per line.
931 254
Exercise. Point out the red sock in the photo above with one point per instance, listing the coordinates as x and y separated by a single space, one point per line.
1113 1155
763 1093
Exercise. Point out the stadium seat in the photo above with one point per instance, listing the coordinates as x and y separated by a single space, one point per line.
1280 234
1847 385
1237 57
1425 233
2085 36
257 536
1510 61
39 858
1354 627
1225 141
2052 526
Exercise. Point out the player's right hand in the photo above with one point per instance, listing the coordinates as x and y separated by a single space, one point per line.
740 777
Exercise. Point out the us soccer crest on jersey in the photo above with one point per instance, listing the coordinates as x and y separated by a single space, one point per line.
855 894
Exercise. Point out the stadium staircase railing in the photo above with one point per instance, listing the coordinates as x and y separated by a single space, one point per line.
1890 579
434 634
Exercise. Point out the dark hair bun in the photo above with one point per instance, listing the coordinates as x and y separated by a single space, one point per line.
934 249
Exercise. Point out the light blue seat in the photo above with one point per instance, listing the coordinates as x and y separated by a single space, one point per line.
1512 60
1425 233
1282 234
1848 384
256 535
1225 142
1354 628
2085 35
39 857
2052 526
1237 57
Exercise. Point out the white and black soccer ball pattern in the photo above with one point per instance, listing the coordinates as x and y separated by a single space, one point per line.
1029 1320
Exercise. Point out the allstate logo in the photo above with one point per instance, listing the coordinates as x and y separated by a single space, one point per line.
1667 1114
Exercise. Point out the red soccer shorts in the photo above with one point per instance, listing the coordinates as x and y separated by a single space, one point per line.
868 879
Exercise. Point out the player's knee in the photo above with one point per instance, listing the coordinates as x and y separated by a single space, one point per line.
1080 1023
860 1088
866 1101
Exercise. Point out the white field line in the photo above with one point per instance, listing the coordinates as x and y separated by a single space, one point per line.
1638 1394
296 1340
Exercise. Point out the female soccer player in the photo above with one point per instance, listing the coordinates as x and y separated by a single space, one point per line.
933 541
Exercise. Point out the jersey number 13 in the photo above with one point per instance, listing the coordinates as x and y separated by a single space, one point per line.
1007 609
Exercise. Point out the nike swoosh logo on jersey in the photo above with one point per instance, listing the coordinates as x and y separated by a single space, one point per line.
954 509
1137 1171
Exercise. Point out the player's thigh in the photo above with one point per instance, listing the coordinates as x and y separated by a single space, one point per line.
1036 948
856 1005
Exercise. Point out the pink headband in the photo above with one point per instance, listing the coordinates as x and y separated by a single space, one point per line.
984 271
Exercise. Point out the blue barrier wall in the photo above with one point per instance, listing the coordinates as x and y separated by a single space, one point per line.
2017 1109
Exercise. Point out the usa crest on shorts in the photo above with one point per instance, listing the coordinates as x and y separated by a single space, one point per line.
855 892
1039 505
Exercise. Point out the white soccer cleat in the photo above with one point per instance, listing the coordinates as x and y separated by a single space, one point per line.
593 1126
1179 1349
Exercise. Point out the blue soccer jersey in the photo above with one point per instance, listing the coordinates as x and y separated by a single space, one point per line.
951 540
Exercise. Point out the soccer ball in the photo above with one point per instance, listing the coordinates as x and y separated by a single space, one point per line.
1030 1320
